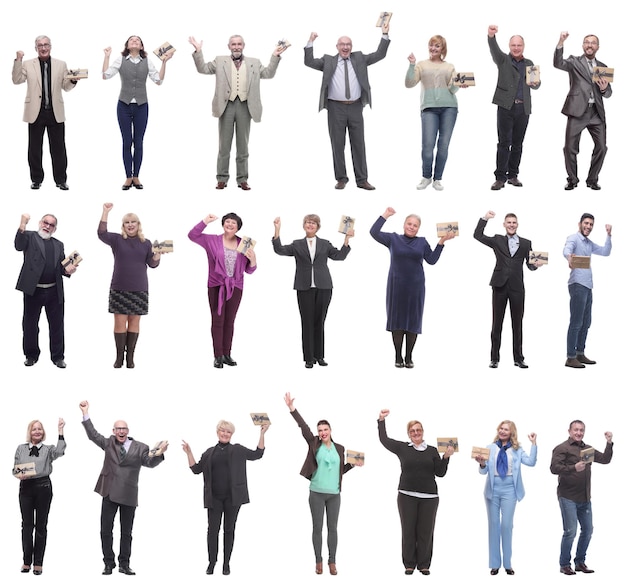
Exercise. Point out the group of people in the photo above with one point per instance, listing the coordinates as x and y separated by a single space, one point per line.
45 265
345 91
223 467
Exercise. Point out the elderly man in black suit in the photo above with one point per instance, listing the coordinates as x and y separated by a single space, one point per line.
118 484
312 282
41 282
507 282
345 91
584 108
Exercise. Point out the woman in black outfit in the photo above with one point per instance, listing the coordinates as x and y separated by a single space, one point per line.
417 492
225 486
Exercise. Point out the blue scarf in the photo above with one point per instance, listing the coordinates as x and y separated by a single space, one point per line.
502 462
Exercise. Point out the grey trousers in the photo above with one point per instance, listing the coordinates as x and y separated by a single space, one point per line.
342 117
331 503
235 120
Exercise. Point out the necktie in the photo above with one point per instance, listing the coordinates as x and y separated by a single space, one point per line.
347 79
46 91
122 453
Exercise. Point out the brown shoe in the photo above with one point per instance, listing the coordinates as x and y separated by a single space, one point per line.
319 568
497 185
340 184
220 185
585 360
365 185
514 181
583 568
244 186
574 363
332 568
567 570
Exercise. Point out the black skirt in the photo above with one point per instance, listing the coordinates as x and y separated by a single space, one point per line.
130 303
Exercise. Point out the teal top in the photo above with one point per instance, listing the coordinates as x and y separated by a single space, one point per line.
326 477
437 87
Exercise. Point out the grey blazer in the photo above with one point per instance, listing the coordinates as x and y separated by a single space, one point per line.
328 64
119 478
508 79
324 250
32 245
221 68
580 85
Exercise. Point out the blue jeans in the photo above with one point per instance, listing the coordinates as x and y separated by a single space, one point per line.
436 122
571 512
133 120
500 511
580 300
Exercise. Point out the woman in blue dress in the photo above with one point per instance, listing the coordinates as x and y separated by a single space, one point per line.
405 283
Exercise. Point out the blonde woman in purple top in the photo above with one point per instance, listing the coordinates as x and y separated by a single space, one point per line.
225 285
128 295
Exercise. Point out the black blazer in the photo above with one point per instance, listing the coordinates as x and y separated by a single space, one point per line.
238 477
34 250
328 64
508 269
324 250
581 85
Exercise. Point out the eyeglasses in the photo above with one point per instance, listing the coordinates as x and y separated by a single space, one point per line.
120 429
43 46
49 224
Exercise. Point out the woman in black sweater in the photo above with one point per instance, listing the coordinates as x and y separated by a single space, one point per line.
417 492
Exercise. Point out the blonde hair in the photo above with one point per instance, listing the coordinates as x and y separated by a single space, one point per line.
313 218
412 423
513 428
131 216
226 425
442 41
29 430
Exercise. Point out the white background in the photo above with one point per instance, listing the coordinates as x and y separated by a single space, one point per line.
175 393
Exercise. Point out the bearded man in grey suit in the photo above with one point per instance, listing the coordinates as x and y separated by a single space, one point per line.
118 485
584 108
237 99
344 93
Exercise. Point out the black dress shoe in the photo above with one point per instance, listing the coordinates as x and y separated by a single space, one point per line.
321 362
583 568
497 185
138 185
63 186
408 571
127 186
494 571
510 571
210 569
107 570
218 362
408 363
594 185
60 364
425 571
514 181
399 364
226 569
567 570
570 185
39 571
228 360
24 569
308 365
127 571
29 362
493 365
521 364
35 185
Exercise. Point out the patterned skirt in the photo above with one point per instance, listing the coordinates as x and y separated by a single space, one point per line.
130 303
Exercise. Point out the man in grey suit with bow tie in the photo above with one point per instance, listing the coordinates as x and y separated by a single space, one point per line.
344 93
237 99
584 108
118 485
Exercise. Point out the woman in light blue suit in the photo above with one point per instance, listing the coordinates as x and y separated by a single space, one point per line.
503 489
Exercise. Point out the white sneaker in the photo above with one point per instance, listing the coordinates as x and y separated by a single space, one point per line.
438 185
424 183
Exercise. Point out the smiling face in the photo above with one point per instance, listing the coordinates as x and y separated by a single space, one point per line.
434 51
516 46
37 433
236 46
412 225
47 226
310 228
224 434
576 431
344 46
120 431
43 46
504 432
230 226
324 433
510 224
131 225
416 433
134 44
586 226
591 44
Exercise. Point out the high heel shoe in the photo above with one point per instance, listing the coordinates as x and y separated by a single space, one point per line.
319 568
332 568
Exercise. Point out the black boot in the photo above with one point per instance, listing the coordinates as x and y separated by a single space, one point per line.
131 342
120 346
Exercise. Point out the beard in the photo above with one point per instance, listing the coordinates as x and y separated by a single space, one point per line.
43 234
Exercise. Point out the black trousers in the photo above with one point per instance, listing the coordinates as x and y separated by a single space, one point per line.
56 141
222 508
43 298
313 305
35 500
107 518
502 296
417 518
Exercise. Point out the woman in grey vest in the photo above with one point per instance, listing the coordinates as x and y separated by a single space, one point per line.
134 68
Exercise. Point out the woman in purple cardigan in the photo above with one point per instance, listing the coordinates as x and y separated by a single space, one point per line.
128 295
225 285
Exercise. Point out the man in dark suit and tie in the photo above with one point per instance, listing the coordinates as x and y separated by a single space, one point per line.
118 485
584 108
507 282
41 281
345 91
44 110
